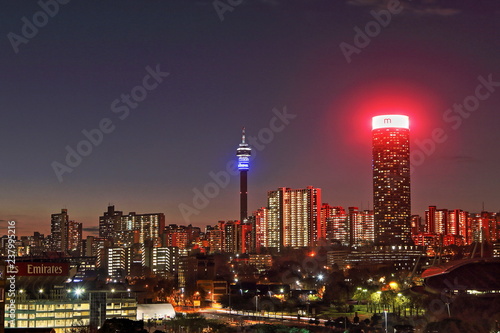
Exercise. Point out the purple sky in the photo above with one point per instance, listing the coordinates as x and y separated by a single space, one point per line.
223 75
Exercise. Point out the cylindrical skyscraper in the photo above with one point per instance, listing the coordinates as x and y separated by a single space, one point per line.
243 152
391 179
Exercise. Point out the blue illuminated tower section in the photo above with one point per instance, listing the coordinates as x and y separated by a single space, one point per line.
243 152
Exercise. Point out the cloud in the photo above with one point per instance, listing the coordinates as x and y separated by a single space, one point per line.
91 229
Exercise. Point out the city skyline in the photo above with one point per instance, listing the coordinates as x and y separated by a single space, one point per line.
223 75
405 124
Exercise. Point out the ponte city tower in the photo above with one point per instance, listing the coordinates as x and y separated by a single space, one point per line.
391 179
243 152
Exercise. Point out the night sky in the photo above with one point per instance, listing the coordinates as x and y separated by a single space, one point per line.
285 55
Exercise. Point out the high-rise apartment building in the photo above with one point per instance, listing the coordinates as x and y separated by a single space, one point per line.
436 220
416 224
457 222
110 223
177 236
59 231
260 229
452 226
215 236
247 235
335 220
118 262
75 237
231 236
483 227
126 230
162 261
193 268
361 226
294 218
391 179
148 227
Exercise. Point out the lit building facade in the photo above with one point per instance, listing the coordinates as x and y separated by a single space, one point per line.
436 220
59 231
399 257
162 261
65 314
214 235
126 230
246 237
260 230
457 222
262 262
177 236
294 218
110 223
483 227
231 241
335 220
118 262
75 237
391 179
416 224
65 235
147 227
361 227
447 227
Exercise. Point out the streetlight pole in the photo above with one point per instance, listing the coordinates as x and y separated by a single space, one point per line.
385 312
282 309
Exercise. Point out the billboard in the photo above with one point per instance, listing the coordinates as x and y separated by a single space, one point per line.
42 269
390 121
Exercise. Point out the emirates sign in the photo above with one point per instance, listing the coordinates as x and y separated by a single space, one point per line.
42 269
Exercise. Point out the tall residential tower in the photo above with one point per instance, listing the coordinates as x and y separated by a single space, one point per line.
59 231
391 179
293 218
243 152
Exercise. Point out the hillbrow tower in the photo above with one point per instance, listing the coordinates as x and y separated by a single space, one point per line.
243 152
391 179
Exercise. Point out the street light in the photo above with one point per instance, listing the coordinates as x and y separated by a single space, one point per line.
78 292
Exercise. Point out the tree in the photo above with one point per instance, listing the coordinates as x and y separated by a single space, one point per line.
336 290
121 325
195 322
79 327
452 325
